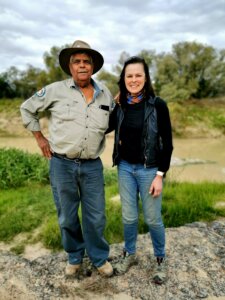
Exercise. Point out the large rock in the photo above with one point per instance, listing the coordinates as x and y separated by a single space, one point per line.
196 270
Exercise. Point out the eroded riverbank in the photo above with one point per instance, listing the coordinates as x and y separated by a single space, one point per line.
203 159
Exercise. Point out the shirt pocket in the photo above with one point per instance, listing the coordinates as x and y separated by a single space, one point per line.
67 111
99 118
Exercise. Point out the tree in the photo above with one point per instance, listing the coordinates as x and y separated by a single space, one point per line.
216 84
194 62
123 57
25 83
189 71
150 59
51 60
6 90
31 81
110 80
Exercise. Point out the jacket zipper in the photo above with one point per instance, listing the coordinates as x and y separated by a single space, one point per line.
117 142
145 145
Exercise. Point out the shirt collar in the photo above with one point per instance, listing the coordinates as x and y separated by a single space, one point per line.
74 85
97 89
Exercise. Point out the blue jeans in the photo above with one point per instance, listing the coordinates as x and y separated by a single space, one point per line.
74 183
135 179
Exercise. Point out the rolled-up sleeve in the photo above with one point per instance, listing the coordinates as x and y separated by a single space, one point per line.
29 116
30 109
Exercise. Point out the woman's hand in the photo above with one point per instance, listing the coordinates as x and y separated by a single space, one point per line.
117 98
156 186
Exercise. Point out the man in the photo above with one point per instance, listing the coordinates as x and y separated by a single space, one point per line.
79 110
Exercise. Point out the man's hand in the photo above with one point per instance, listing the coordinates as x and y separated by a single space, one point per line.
43 144
156 186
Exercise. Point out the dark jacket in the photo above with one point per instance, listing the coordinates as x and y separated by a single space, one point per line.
156 136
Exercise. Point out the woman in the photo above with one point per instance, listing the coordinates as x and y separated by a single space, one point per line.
142 152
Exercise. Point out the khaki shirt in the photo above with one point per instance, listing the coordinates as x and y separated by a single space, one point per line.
76 128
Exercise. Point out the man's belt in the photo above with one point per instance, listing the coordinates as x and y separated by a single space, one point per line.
75 159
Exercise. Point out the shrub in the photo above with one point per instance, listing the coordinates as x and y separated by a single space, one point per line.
18 168
110 176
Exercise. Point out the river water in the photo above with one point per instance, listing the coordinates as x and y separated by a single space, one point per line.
210 151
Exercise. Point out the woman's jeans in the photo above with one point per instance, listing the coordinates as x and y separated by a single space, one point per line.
135 179
74 183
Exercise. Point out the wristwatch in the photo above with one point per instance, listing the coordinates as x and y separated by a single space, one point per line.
160 173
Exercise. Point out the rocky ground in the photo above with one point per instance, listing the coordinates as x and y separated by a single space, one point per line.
196 270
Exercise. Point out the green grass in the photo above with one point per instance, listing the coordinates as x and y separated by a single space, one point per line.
24 209
189 202
27 207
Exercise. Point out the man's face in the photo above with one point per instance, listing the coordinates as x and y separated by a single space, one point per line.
81 67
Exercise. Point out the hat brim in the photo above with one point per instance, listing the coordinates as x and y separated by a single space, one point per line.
65 54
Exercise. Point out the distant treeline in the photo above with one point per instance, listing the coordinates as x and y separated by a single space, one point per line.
191 70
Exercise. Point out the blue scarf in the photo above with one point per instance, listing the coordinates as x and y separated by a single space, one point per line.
135 99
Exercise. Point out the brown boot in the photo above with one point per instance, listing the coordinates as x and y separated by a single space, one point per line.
71 270
106 269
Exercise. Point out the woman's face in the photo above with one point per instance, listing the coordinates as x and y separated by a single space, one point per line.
134 78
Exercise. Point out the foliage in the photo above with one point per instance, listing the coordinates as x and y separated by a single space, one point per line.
6 90
18 168
171 92
203 115
123 57
51 60
24 83
110 80
191 70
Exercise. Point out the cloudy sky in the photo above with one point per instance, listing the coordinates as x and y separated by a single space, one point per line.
30 28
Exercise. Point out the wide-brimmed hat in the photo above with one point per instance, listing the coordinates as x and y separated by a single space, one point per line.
80 46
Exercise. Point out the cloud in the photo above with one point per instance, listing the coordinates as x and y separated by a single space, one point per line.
30 29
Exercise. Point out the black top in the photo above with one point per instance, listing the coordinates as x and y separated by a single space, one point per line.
131 133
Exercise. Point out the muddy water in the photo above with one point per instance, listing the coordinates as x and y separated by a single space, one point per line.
211 150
